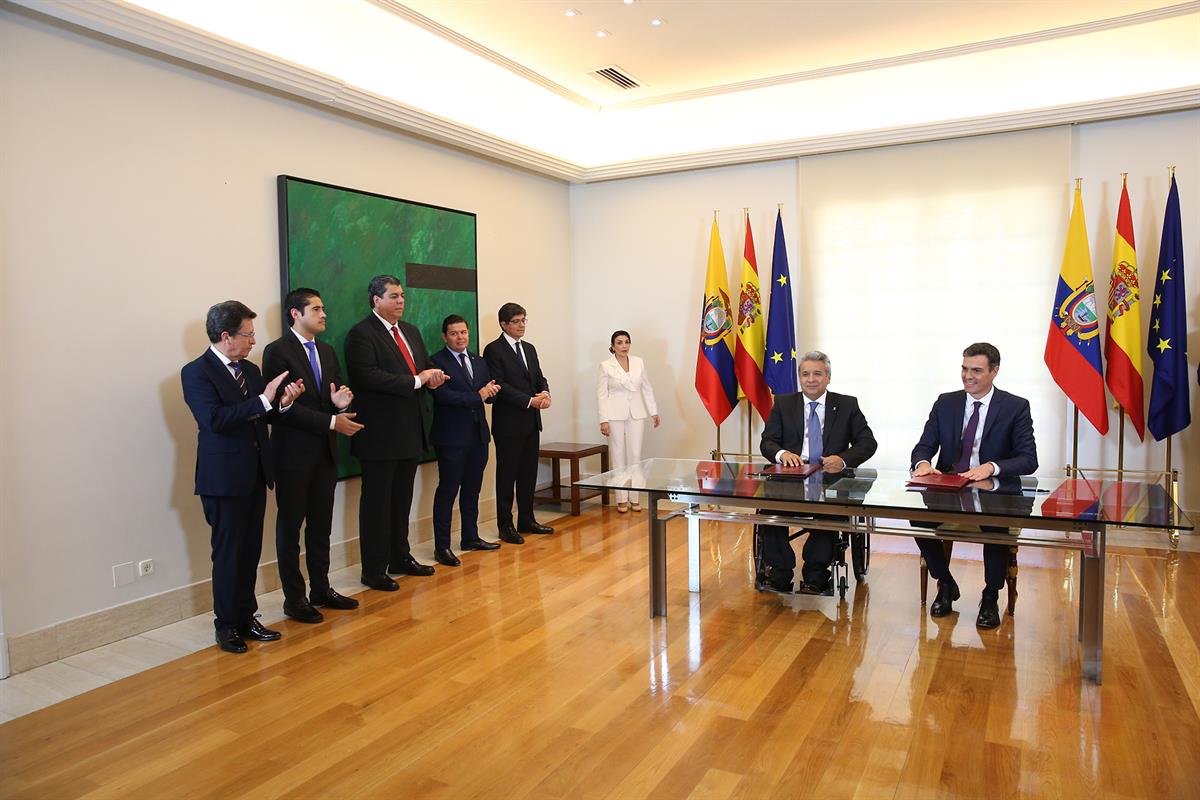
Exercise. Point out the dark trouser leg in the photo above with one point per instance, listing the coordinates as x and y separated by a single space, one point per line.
236 546
777 551
508 453
527 469
291 499
251 552
402 492
468 493
451 463
319 524
375 516
935 558
818 555
995 569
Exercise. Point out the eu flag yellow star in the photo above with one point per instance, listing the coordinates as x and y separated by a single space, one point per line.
793 354
1164 345
1166 276
776 357
1157 300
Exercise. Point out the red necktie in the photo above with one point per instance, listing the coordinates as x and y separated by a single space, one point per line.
404 349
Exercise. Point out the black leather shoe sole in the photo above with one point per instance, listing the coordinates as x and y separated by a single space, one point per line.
446 558
512 537
821 590
768 586
479 545
535 528
381 584
306 613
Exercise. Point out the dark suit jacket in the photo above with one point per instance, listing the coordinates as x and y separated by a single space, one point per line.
845 434
1007 434
233 442
511 414
458 416
300 435
388 405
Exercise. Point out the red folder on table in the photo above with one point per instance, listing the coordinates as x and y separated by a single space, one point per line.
935 481
780 471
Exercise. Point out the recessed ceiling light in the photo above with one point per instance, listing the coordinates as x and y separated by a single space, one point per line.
630 2
570 12
602 34
658 22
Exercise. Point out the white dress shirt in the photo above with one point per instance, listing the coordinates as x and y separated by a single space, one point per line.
403 338
820 401
228 362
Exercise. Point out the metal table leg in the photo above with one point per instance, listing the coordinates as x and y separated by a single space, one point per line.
693 554
658 559
1092 604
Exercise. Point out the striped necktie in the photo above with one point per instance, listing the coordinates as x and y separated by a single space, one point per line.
239 377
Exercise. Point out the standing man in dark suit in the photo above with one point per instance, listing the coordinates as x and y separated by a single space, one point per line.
516 422
815 426
390 370
231 404
460 435
304 445
980 433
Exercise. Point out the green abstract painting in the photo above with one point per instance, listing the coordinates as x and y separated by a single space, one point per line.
334 240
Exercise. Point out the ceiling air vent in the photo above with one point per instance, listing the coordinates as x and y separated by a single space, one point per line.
616 76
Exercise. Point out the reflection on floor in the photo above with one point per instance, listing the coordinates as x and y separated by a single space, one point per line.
535 672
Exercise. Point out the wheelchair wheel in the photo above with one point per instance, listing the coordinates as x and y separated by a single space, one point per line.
860 555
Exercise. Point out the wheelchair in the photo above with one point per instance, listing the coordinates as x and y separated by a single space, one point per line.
857 542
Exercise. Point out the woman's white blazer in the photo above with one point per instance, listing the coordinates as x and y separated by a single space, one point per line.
623 395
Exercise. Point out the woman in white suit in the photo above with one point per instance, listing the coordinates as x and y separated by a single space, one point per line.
625 399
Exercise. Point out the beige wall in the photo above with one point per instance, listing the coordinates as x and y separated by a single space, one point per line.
134 194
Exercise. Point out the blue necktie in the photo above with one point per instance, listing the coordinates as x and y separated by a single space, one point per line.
814 435
311 347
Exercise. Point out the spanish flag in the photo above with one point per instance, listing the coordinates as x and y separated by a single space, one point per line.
751 336
715 381
1123 331
1073 343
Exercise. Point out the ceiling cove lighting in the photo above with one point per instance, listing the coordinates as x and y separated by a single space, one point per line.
602 34
658 22
570 12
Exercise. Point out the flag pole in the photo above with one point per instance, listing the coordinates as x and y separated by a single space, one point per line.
1120 444
716 453
1075 446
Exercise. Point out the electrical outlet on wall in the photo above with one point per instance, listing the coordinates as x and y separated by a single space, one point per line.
146 567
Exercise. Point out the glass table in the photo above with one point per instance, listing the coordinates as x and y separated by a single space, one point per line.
1064 513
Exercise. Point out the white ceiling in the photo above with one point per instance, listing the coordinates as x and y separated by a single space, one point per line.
724 82
705 44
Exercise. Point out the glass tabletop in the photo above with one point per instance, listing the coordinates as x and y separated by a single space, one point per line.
1146 505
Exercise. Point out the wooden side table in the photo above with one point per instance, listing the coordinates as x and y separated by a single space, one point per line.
573 452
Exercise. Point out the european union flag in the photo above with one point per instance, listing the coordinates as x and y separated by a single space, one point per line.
779 361
1166 342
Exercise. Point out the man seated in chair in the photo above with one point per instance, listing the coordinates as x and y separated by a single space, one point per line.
814 426
983 433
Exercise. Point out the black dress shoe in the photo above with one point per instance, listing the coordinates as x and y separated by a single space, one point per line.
533 527
258 633
943 603
380 583
768 580
301 611
446 558
409 566
989 614
509 534
230 641
823 588
331 599
479 544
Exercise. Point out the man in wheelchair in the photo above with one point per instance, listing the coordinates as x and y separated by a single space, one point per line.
813 426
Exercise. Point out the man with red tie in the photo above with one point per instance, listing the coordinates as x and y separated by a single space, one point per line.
389 369
981 433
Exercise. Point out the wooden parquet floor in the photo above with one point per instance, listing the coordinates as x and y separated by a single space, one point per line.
535 672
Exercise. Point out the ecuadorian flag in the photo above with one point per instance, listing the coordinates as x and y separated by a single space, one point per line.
1073 344
715 381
